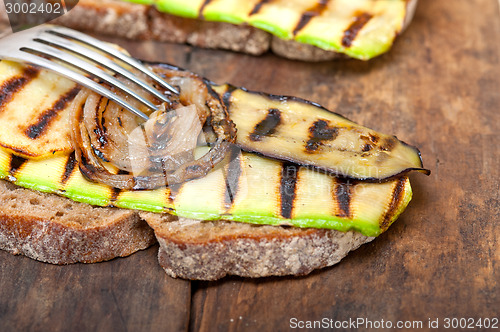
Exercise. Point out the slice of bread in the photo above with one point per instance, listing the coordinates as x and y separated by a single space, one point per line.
57 230
135 21
210 250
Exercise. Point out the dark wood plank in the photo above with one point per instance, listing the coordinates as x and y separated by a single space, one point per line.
437 89
126 294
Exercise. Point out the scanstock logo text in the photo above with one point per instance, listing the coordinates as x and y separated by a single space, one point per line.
25 14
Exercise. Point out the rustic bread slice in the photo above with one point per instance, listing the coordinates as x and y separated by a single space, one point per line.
136 21
57 230
117 18
215 35
209 250
4 20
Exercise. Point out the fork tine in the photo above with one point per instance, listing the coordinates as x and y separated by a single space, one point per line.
85 66
68 33
72 75
99 59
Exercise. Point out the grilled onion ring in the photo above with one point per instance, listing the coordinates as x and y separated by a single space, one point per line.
101 130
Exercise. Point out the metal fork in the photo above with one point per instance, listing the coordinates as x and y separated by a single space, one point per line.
41 45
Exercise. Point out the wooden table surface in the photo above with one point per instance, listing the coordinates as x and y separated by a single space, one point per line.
438 89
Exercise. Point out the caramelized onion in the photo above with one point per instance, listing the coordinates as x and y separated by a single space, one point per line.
113 148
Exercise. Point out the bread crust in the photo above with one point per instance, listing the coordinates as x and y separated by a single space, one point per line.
304 52
210 250
56 230
117 18
214 35
137 21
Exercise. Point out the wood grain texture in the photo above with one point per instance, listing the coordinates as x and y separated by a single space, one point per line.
437 89
126 294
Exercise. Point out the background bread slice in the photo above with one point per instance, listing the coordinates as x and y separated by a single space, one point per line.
238 38
117 18
298 51
57 230
137 21
210 250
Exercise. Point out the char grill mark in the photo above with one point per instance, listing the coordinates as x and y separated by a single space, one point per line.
307 16
352 31
172 193
69 167
374 138
342 195
16 163
397 196
99 131
115 192
258 7
226 97
388 144
268 126
202 8
288 188
103 119
85 167
319 132
12 86
232 177
370 142
37 129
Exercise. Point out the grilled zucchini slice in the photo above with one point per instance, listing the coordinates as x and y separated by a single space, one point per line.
292 129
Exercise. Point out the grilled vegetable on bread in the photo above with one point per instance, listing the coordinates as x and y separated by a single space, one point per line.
305 30
245 187
38 152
